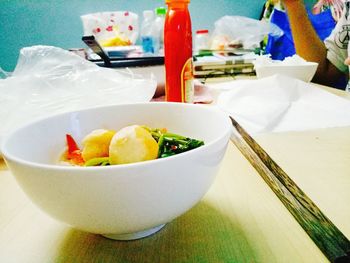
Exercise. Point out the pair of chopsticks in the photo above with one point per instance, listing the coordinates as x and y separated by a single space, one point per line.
334 245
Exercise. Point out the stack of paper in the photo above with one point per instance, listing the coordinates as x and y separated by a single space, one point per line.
219 65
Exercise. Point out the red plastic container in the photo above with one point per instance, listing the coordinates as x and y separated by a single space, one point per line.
178 52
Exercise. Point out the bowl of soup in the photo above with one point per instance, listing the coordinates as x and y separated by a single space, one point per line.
120 200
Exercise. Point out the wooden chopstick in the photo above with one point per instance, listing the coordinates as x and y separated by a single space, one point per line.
329 239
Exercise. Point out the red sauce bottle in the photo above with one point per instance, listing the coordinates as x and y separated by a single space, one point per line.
178 52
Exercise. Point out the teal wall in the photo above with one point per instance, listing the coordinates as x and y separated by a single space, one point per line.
29 22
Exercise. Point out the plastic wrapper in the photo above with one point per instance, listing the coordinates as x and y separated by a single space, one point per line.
232 32
281 104
283 46
336 7
119 28
49 80
266 60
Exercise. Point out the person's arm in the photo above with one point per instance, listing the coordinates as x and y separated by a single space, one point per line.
347 61
308 45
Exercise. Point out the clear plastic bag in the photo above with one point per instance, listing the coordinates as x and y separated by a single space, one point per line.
119 28
241 32
49 80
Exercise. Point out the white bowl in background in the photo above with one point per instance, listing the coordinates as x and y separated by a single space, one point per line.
120 201
304 72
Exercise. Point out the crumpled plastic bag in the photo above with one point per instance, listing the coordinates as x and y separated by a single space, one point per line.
241 32
49 80
119 28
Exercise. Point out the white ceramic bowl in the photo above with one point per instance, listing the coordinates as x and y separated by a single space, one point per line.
121 201
304 72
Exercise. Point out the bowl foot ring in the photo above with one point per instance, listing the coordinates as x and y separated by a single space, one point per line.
136 235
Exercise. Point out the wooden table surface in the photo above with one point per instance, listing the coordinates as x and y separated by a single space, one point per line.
239 220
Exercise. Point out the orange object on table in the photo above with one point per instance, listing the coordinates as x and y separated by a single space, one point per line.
178 52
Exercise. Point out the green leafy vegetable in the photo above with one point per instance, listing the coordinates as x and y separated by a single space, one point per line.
99 161
171 144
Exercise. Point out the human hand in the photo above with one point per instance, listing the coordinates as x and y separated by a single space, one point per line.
347 61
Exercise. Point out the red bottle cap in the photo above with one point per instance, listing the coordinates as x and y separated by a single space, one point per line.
202 31
176 1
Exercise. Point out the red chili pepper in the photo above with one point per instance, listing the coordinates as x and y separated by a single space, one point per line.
73 151
173 147
71 144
